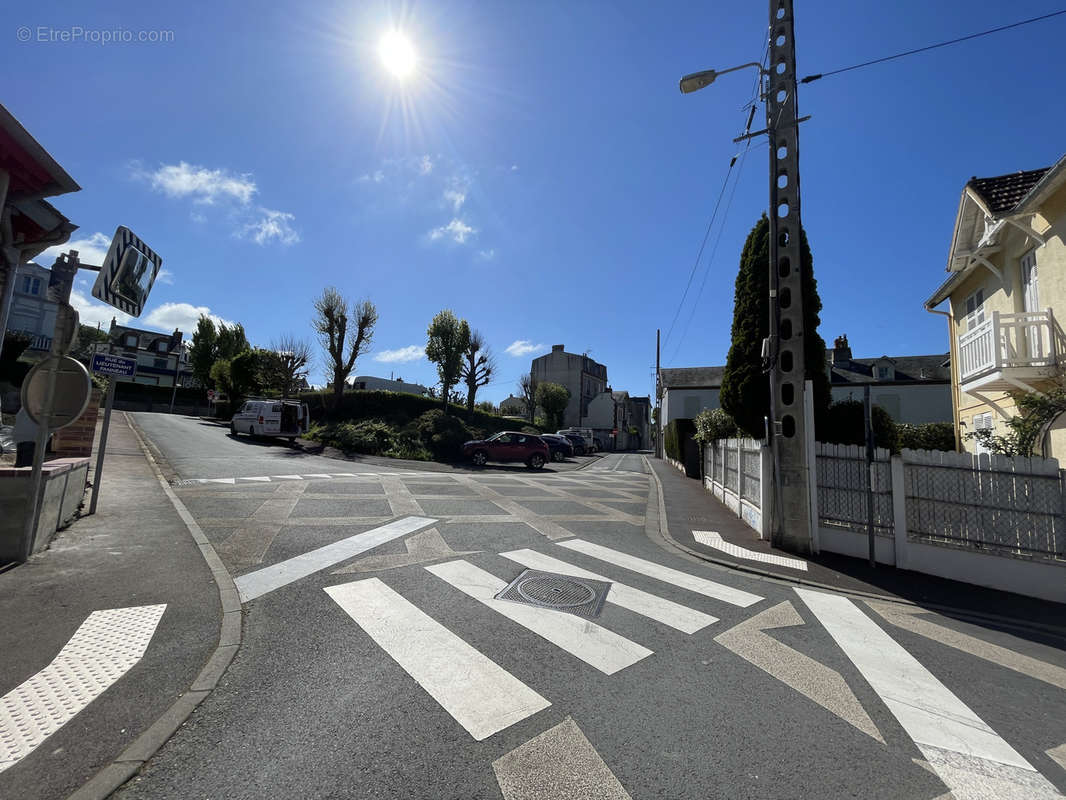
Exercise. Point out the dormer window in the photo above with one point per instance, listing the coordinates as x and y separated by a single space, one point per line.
161 346
130 340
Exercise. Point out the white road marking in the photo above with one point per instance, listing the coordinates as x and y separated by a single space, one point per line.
715 540
230 481
970 757
102 650
317 475
736 597
648 605
597 646
560 764
287 477
255 584
262 479
348 474
812 679
1059 755
479 694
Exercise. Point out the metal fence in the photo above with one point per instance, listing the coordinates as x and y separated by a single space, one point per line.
992 503
842 480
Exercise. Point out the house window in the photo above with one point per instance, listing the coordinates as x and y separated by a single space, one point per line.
162 347
1030 286
982 422
130 340
975 309
884 373
31 285
160 363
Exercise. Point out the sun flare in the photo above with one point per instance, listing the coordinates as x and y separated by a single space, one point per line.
397 54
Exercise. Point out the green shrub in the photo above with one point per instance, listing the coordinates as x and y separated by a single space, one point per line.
675 436
443 434
714 423
845 424
930 436
670 441
371 437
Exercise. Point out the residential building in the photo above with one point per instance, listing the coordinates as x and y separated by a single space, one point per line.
1007 277
32 312
579 373
686 391
160 356
912 389
513 406
619 421
371 384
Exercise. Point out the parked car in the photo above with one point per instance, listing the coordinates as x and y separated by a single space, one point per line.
288 418
584 433
577 441
559 446
509 446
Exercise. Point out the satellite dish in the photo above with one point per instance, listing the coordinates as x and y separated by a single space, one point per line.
71 397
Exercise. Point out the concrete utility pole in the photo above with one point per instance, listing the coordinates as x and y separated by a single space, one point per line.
658 400
792 527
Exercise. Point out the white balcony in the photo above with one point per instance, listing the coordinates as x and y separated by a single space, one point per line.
1008 351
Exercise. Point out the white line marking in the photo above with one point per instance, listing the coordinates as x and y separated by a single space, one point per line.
736 597
347 474
230 481
479 694
715 540
317 475
255 584
599 647
648 605
262 479
970 757
287 477
102 650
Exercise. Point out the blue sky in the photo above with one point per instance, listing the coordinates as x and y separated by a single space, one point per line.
540 175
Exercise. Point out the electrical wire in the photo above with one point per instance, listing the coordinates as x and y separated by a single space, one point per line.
819 75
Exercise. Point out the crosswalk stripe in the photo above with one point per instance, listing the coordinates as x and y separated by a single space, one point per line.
103 649
595 645
255 584
480 695
677 616
718 591
970 757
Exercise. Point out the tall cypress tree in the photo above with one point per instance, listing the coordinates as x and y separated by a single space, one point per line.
745 392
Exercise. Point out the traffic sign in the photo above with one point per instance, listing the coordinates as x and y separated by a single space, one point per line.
104 364
128 272
211 395
71 394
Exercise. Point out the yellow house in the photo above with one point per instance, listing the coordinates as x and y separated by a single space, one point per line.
1006 295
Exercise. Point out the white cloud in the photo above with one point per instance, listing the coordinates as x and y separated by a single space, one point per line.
458 230
272 226
165 276
425 165
523 347
91 250
401 355
203 185
182 316
91 312
455 199
487 255
514 168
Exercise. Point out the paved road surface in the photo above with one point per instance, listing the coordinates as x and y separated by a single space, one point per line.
377 663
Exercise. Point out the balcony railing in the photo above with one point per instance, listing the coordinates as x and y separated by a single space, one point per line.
1004 341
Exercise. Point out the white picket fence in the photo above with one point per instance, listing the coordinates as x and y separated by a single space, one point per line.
947 514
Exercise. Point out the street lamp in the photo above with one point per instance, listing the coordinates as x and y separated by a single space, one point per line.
701 80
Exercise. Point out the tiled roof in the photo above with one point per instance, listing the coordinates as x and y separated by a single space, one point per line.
680 377
916 369
1004 192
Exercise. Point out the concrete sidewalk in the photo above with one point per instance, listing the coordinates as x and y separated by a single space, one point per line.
135 551
689 507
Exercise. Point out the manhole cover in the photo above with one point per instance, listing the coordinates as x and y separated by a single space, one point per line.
557 592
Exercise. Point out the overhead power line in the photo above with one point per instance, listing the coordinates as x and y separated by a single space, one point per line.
990 31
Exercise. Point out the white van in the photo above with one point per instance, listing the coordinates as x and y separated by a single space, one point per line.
289 418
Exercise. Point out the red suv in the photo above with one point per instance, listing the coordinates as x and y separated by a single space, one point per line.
509 446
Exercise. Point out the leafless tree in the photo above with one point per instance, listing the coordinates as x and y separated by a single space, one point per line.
288 364
527 390
342 343
478 367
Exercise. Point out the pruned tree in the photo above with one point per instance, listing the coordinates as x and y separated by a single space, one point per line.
449 338
527 390
745 392
477 368
553 397
286 365
342 342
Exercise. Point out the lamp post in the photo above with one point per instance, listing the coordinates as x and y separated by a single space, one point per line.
792 526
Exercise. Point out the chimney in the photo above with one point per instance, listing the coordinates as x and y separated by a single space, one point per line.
557 348
841 350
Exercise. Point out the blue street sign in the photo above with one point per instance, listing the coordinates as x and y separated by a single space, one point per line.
104 364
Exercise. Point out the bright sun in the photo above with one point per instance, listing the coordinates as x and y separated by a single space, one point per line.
397 54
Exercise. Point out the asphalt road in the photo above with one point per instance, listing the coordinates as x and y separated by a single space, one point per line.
376 662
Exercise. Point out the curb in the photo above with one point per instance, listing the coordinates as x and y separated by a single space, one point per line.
662 528
130 761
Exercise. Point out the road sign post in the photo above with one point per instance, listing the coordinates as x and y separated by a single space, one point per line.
115 367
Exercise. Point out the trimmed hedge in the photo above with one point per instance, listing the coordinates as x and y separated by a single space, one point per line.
930 436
